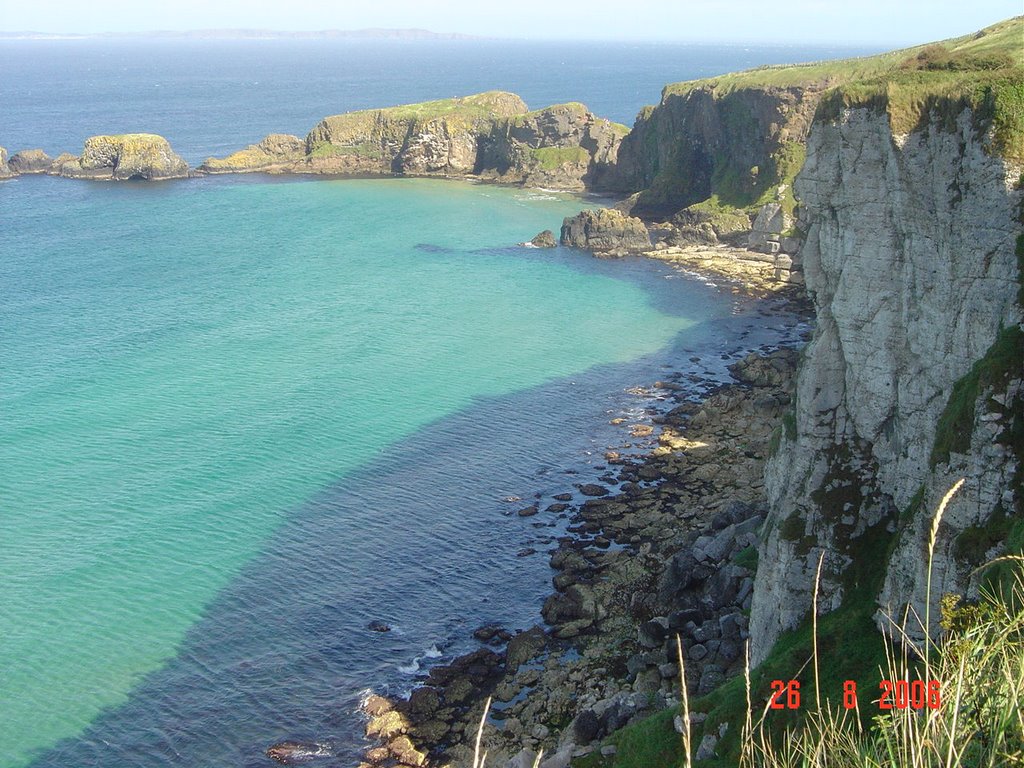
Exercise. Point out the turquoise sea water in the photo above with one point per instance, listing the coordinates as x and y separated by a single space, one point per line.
201 358
240 418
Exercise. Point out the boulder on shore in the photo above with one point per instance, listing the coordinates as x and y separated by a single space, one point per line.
123 157
606 232
30 161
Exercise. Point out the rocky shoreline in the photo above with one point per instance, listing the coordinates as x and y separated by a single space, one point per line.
664 544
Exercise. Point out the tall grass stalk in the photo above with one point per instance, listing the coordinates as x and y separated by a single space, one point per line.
977 664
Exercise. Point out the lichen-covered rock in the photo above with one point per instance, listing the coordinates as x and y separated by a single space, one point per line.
30 161
910 259
606 232
273 153
124 157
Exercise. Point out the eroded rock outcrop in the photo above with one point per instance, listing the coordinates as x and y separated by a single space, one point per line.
274 153
30 161
910 259
606 232
5 171
563 146
490 135
740 141
129 156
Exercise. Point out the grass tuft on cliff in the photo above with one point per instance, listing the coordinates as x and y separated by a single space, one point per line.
977 721
553 158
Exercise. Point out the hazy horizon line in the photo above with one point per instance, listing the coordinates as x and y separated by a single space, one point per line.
410 34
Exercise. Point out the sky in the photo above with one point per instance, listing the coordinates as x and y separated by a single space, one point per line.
767 21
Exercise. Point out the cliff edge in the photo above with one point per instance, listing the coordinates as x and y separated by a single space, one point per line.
911 201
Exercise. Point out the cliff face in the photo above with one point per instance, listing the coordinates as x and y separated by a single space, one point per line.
490 135
5 171
123 157
563 146
910 260
740 142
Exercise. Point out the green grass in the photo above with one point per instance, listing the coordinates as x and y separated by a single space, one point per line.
999 43
747 558
1001 363
479 106
553 158
648 743
915 87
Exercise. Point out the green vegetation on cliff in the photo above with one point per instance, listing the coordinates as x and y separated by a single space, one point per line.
747 130
1001 363
465 110
551 158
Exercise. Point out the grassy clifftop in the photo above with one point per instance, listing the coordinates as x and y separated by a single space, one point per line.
984 70
738 138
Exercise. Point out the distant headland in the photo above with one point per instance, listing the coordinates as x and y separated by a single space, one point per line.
376 33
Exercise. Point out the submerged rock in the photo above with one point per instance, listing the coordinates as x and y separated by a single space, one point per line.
128 156
378 626
297 752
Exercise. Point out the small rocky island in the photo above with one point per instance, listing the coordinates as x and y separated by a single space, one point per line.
123 157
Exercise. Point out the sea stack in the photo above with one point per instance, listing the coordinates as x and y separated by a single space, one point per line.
129 156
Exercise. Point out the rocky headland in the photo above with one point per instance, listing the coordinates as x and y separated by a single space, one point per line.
886 190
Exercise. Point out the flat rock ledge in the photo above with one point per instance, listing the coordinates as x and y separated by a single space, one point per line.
754 271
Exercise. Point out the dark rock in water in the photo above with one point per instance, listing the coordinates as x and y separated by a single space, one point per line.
526 552
562 497
545 239
528 511
593 489
492 633
606 232
424 702
297 752
378 626
30 161
558 507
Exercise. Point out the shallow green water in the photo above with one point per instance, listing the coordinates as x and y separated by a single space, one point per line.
183 364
